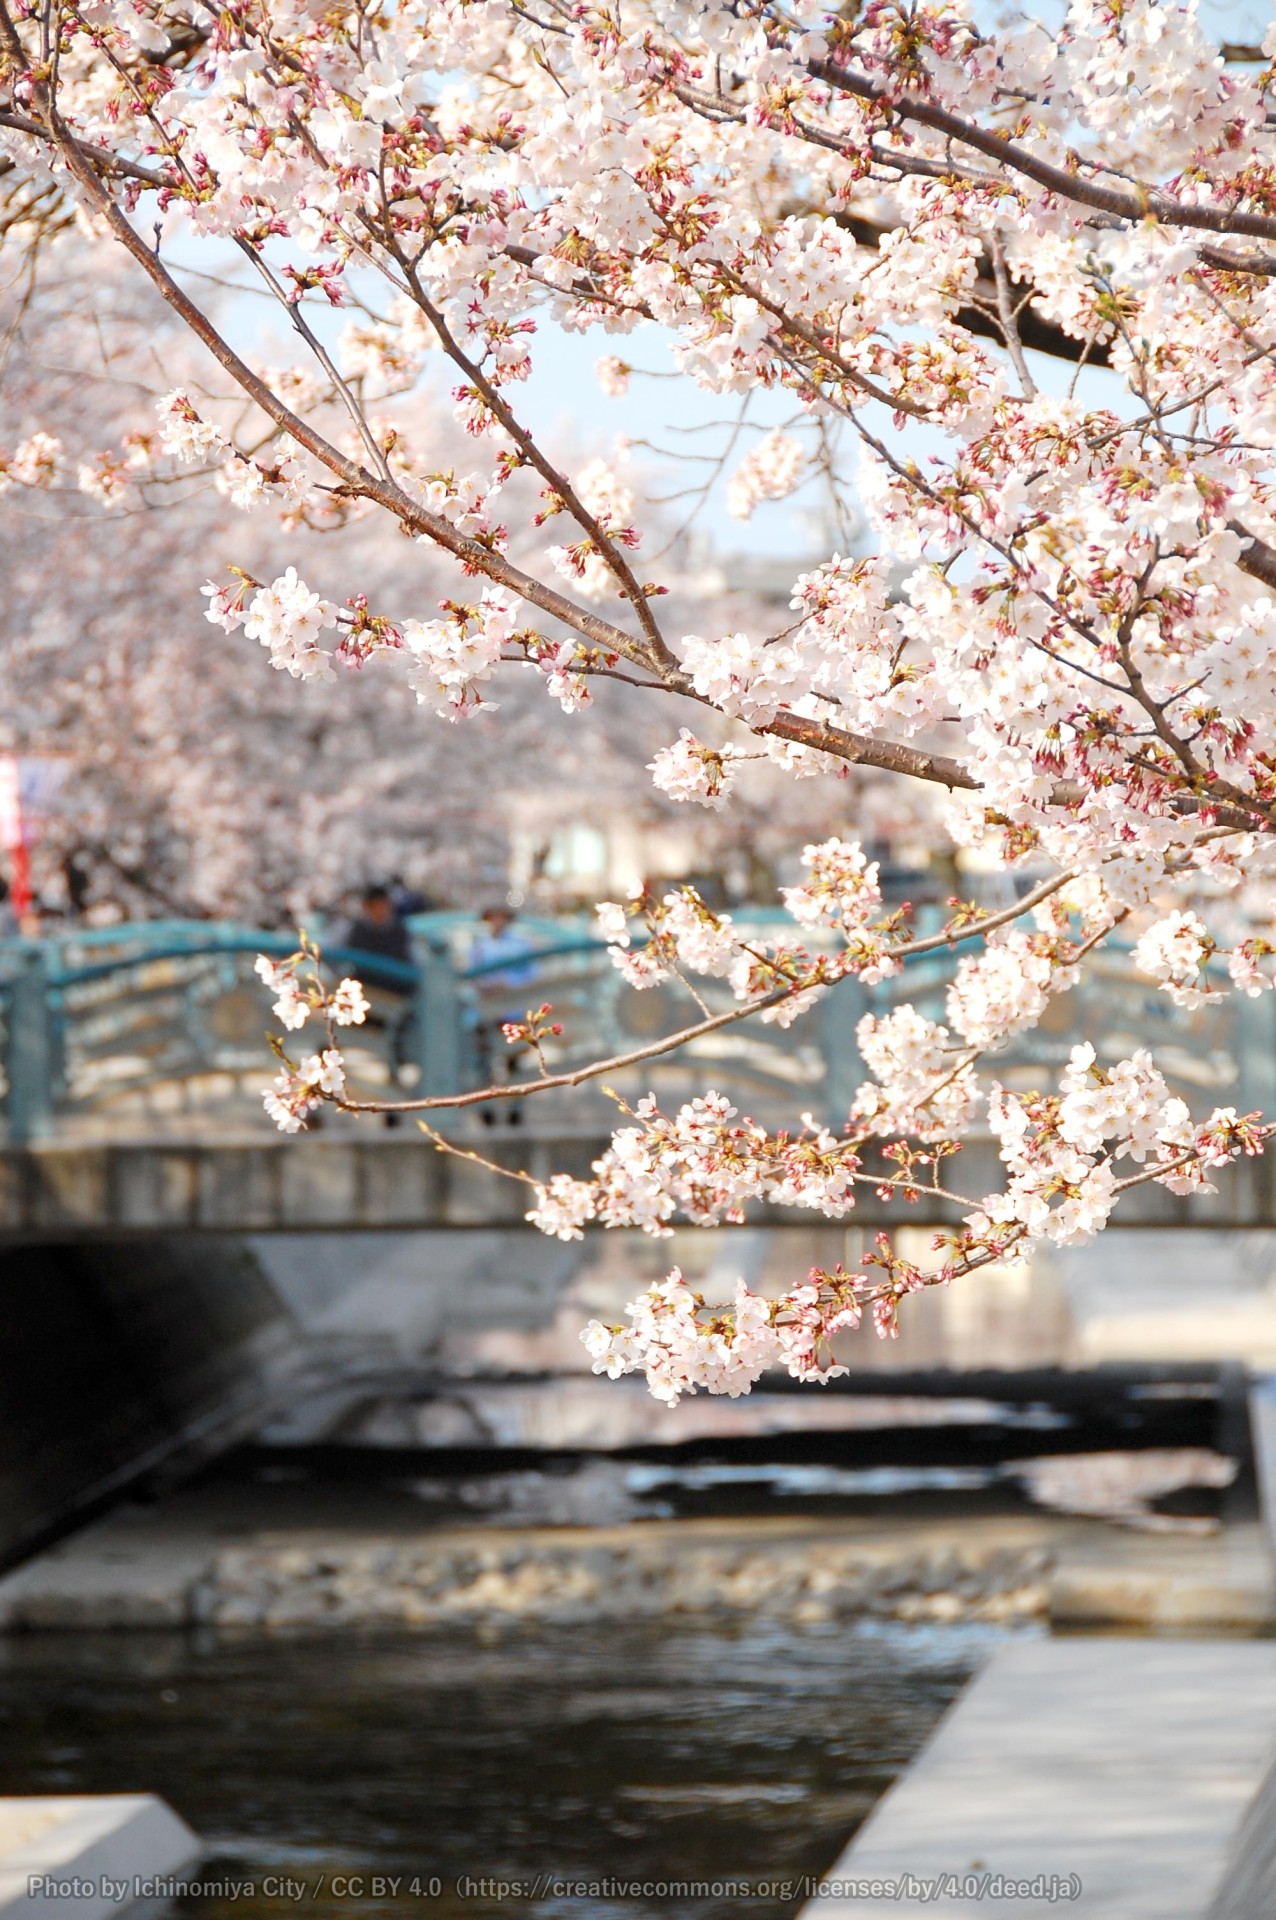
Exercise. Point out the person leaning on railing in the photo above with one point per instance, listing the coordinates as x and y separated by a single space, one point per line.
505 957
377 928
379 931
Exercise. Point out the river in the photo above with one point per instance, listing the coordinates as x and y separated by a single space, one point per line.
679 1750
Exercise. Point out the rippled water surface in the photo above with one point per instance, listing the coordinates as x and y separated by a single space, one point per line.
673 1751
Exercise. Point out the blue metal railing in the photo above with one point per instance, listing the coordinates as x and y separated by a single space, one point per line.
90 1014
93 1020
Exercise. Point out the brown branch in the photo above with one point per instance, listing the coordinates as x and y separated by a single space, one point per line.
475 556
518 1090
1009 319
554 478
101 157
858 750
1258 559
1146 203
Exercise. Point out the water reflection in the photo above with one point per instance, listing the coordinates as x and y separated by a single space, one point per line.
684 1750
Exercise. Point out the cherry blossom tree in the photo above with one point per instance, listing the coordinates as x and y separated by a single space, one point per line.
881 214
195 782
192 786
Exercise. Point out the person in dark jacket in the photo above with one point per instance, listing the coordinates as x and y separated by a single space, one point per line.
378 929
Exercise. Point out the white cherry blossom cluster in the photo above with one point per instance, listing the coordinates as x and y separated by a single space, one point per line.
346 1005
682 1345
707 1163
243 482
288 617
842 891
924 1081
771 469
183 431
1062 1152
1005 988
565 680
301 995
563 1208
610 501
1129 1103
297 1092
1245 967
35 462
454 657
843 896
685 935
1175 951
689 770
740 675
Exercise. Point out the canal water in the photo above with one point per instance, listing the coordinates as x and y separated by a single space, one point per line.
631 1757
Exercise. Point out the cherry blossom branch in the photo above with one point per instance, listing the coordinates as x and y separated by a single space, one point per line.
651 1050
473 554
100 157
1146 203
561 485
1009 319
442 1144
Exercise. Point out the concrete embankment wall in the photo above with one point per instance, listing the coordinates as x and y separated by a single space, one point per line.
124 1358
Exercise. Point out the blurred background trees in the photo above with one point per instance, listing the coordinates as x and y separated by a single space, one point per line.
185 777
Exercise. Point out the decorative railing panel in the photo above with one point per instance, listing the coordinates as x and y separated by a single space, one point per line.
130 1029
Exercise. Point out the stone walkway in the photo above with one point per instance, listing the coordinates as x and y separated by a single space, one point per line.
1109 1779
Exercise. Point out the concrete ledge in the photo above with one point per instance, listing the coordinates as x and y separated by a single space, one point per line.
368 1179
86 1855
1108 1779
1084 1596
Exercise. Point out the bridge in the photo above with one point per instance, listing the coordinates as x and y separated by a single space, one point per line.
162 1239
133 1060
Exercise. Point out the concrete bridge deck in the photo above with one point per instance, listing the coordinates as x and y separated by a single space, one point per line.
368 1180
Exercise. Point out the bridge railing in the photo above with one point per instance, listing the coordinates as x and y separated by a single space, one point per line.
160 1025
156 1020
